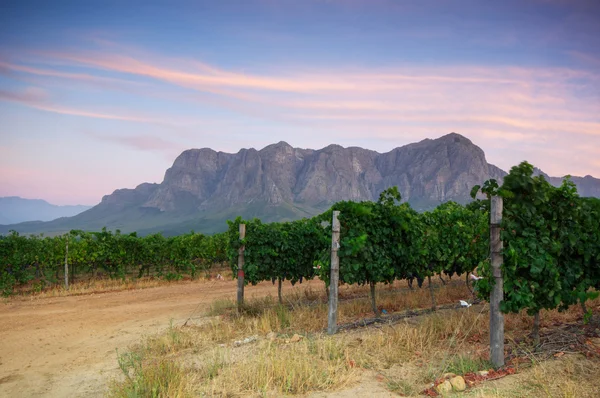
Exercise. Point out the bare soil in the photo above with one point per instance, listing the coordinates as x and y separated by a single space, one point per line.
66 346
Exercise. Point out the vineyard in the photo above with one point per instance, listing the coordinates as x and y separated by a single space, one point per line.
40 261
381 242
551 238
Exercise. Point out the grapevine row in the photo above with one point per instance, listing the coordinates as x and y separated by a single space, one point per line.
39 259
551 242
380 242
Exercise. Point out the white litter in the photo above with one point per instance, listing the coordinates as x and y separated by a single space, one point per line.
475 278
465 304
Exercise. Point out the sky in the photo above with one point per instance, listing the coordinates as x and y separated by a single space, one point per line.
101 95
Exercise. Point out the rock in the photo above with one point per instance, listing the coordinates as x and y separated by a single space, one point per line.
458 383
444 388
295 338
483 373
448 375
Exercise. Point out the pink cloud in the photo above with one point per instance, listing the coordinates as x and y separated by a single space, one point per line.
513 104
148 143
29 95
351 91
518 97
6 66
37 98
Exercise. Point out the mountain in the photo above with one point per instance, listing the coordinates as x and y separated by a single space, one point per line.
204 188
14 209
586 186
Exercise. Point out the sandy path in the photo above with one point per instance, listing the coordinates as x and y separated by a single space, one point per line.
65 346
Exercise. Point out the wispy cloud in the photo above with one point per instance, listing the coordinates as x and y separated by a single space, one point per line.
587 59
506 103
29 95
7 67
149 143
200 76
38 98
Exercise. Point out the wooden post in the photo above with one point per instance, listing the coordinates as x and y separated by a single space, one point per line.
67 264
497 294
432 294
373 300
240 274
279 291
536 330
335 274
469 285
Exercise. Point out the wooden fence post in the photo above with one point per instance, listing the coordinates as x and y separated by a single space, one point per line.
497 294
335 274
240 273
67 265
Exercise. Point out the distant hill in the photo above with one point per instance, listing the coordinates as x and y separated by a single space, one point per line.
586 186
14 209
204 187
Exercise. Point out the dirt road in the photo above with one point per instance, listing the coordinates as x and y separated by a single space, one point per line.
66 346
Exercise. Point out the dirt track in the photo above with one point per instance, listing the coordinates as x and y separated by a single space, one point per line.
66 346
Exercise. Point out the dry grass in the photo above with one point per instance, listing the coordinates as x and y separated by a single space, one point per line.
321 364
102 285
573 377
309 307
570 377
203 359
157 378
94 286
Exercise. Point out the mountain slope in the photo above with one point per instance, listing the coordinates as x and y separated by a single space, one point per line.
204 188
14 209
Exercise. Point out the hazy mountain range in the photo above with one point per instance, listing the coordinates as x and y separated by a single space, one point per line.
14 209
204 187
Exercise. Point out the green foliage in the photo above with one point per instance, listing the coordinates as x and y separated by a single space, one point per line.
41 259
455 239
551 244
274 251
379 242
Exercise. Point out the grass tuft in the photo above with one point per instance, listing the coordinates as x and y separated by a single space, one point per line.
160 378
463 364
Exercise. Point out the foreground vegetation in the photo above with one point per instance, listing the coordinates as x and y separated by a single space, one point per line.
273 349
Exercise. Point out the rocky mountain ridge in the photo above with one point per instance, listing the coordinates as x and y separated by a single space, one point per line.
428 172
204 187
